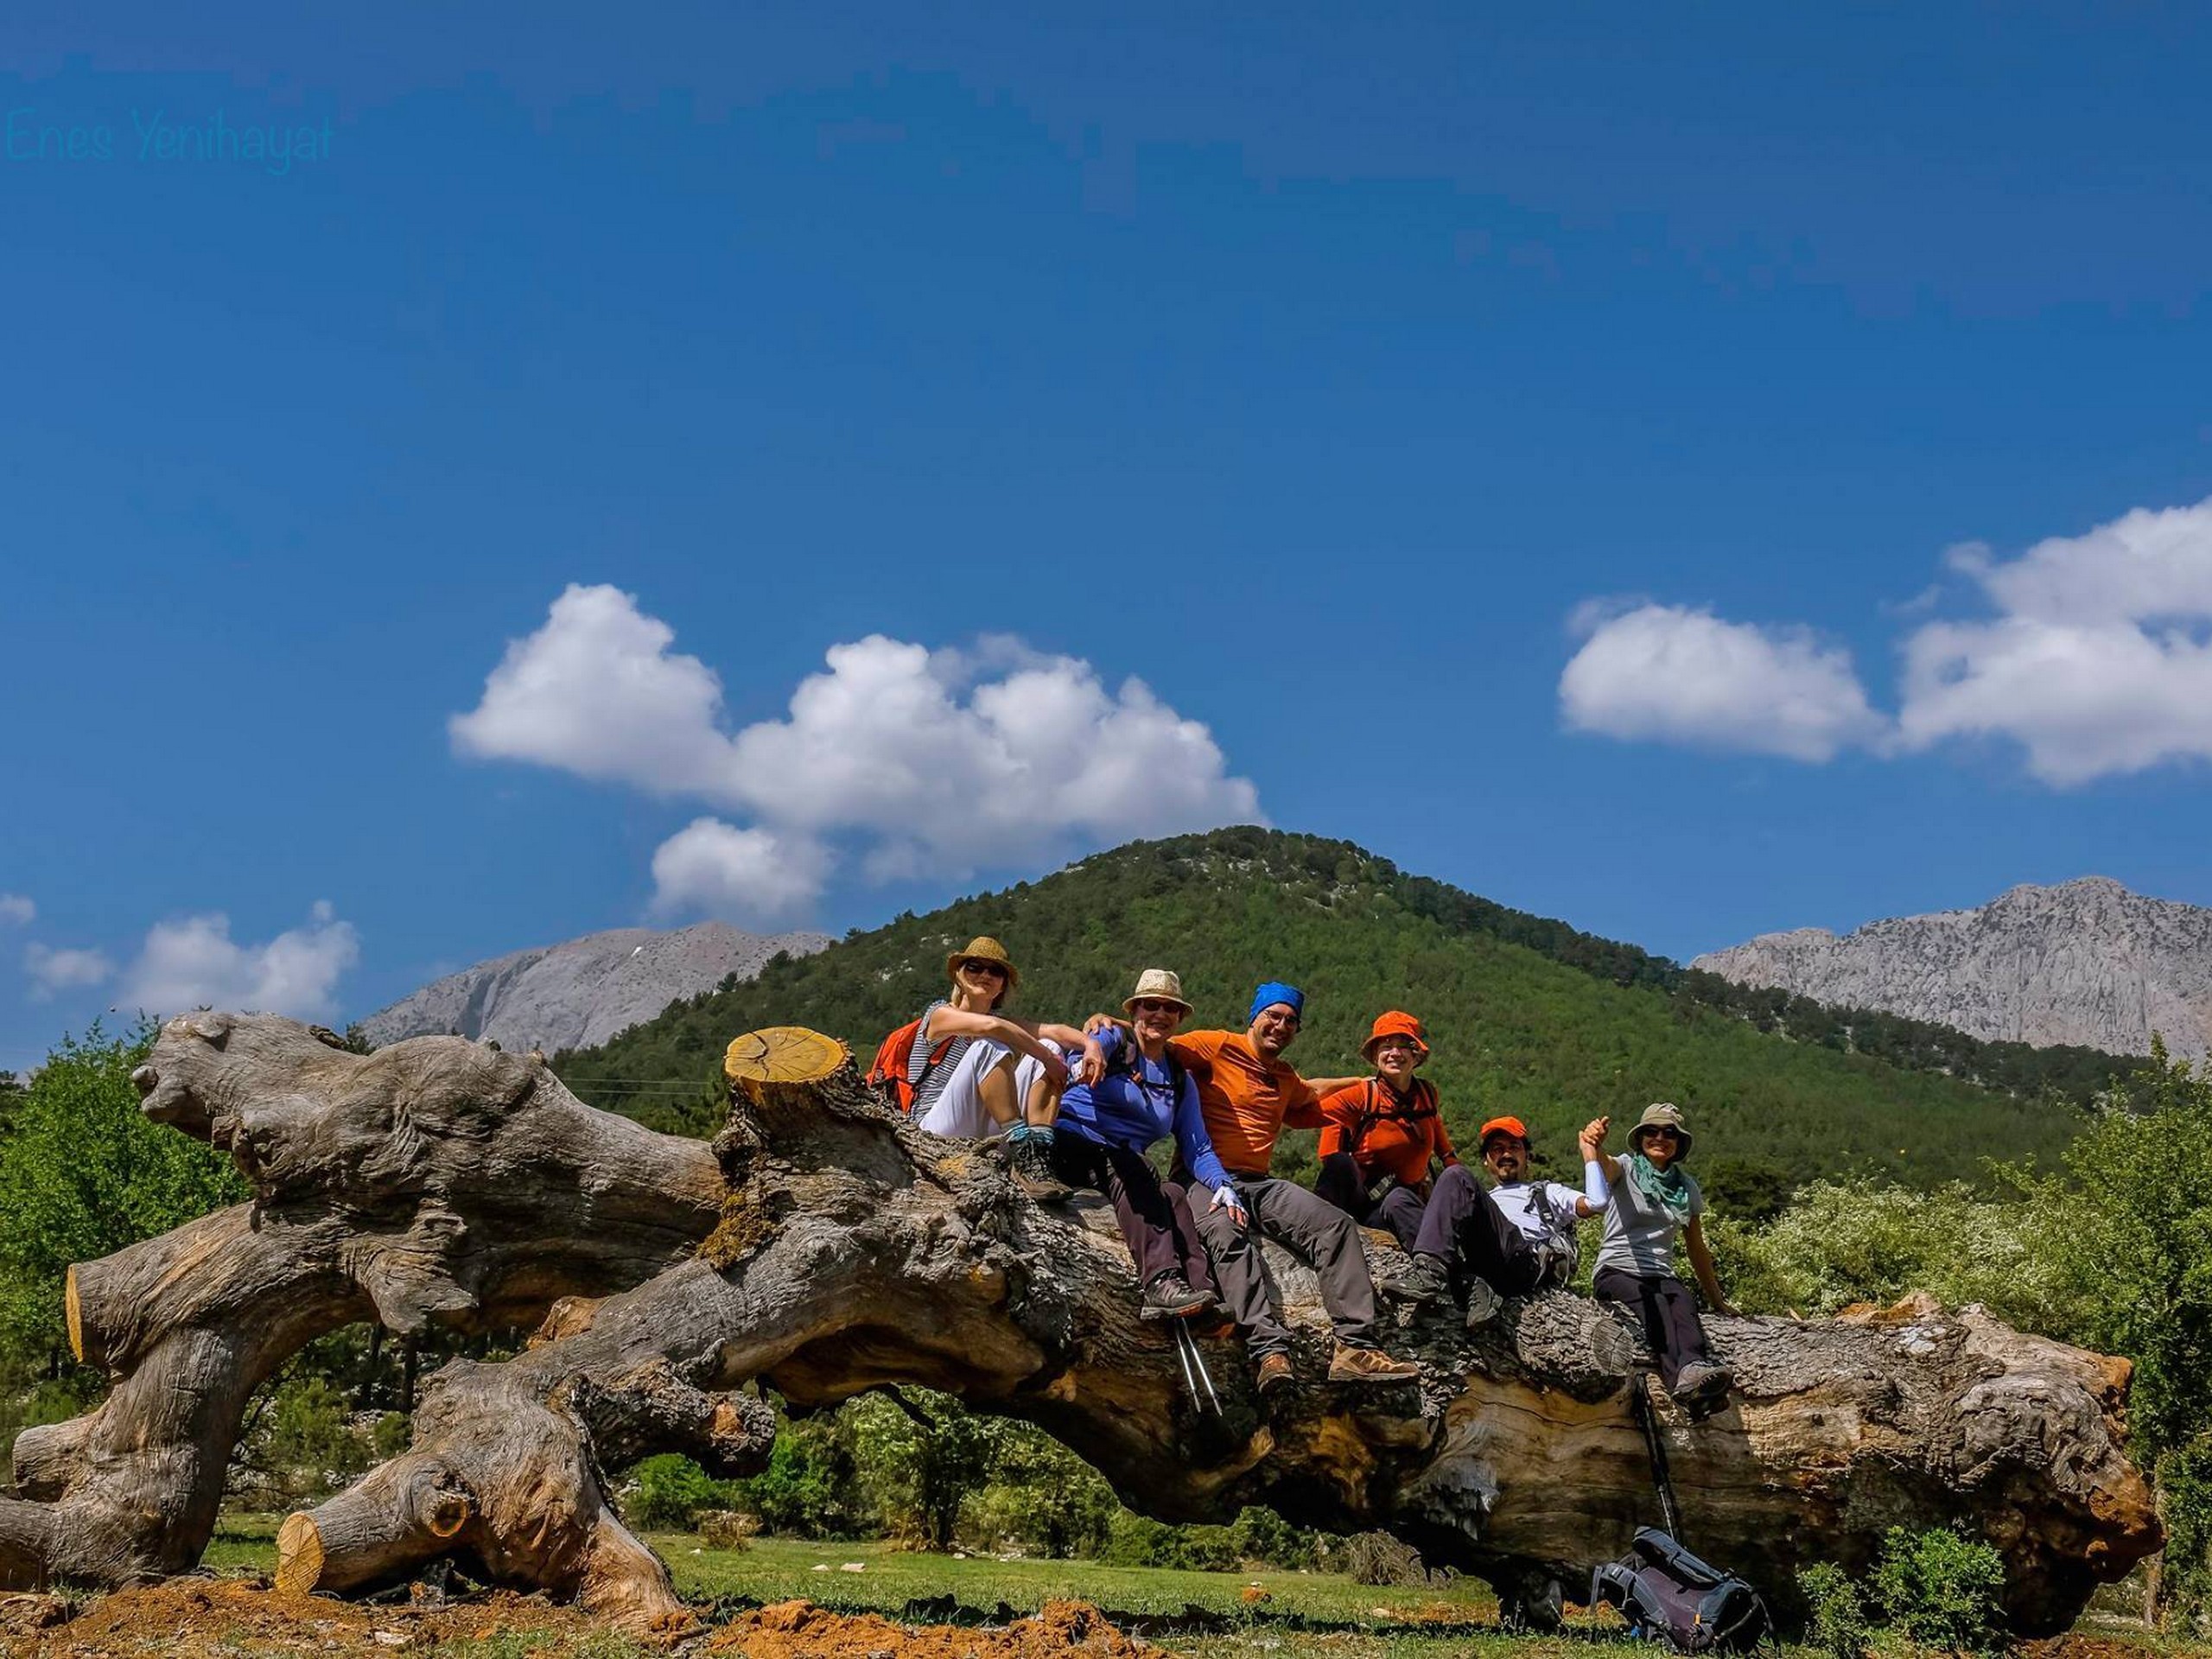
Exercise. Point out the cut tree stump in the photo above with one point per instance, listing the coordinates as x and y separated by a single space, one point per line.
824 1246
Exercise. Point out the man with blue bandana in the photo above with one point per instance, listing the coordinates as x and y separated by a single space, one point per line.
1246 1094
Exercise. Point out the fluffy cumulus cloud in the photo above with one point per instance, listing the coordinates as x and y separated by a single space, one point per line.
16 910
1672 674
724 870
938 762
2093 654
53 972
2098 660
192 960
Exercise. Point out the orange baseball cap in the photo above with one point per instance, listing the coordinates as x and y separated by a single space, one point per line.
1395 1023
1512 1126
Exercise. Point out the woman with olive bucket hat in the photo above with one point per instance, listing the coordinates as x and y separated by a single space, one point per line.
1649 1198
975 1071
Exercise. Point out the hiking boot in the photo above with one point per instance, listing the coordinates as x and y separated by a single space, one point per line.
1425 1279
1169 1296
1482 1303
1702 1387
1030 1161
1274 1371
1350 1364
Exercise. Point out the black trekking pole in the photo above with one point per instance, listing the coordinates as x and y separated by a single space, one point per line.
1647 1419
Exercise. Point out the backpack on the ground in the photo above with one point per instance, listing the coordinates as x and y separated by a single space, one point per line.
894 1058
1667 1593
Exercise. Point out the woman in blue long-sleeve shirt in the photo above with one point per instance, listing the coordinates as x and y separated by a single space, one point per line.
1105 1127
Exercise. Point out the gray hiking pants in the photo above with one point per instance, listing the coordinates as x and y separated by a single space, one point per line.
1311 1228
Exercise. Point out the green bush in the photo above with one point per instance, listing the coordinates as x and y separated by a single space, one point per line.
1941 1589
671 1492
1837 1623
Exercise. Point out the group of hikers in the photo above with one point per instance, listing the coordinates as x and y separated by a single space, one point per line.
1080 1108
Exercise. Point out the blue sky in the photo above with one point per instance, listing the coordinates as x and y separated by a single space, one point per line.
1540 448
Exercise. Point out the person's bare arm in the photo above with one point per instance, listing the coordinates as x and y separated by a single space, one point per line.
1701 1264
1092 1066
1592 1139
1017 1034
1330 1086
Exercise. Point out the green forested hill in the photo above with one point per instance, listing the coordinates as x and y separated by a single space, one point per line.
1525 1015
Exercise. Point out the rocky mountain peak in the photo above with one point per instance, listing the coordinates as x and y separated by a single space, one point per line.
578 994
2083 962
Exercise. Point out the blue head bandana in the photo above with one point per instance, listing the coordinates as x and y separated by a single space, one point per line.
1273 992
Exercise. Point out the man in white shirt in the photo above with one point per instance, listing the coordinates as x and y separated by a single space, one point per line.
1544 1212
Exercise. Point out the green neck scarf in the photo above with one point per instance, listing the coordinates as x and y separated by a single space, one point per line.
1665 1190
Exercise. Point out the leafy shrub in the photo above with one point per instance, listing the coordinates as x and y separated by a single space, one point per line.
1378 1558
669 1493
1838 1625
1264 1536
1939 1588
729 1529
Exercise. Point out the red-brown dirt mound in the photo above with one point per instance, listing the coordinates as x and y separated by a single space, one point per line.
799 1630
223 1618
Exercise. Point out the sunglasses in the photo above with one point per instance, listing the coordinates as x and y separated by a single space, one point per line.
994 970
1152 1005
1654 1134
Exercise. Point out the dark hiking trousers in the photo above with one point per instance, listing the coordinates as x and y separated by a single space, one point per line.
1462 1223
1311 1228
1155 1217
1662 1304
1399 1208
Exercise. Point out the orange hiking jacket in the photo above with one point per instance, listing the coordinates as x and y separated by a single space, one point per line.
1386 1131
1245 1101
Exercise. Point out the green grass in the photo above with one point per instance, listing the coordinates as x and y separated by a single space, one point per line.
1204 1614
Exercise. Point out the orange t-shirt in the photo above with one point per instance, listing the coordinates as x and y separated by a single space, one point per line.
1244 1100
1387 1131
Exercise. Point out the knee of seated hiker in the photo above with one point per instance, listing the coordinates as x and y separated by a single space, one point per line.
1450 1179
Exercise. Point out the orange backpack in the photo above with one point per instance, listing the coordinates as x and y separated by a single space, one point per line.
894 1056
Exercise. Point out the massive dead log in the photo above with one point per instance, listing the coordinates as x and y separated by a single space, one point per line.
436 1182
854 1251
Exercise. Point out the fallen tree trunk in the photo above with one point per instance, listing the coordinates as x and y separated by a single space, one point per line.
440 1183
437 1182
854 1251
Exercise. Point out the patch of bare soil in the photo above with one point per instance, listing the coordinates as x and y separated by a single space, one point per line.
218 1618
223 1619
799 1630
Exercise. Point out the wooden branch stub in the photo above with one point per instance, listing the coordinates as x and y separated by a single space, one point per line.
761 1061
74 1315
299 1555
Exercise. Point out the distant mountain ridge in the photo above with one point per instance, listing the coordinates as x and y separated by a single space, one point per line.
580 992
2086 962
1526 1016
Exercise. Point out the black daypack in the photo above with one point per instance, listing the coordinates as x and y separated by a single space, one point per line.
1665 1592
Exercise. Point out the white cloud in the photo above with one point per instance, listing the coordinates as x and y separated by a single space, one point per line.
54 971
753 875
1677 675
944 761
192 960
2098 661
596 692
16 910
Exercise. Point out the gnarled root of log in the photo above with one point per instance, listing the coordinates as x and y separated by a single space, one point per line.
436 1181
855 1251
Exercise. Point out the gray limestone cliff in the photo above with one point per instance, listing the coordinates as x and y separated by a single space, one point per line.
2086 962
581 993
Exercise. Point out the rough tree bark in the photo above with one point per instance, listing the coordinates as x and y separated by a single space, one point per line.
850 1251
437 1181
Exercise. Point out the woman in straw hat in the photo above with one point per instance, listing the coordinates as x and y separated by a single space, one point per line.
976 1070
1106 1126
1649 1198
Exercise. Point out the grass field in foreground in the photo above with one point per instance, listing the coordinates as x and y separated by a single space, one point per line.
1204 1614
